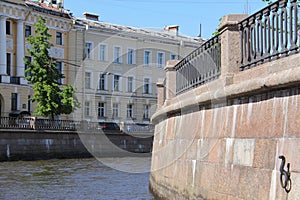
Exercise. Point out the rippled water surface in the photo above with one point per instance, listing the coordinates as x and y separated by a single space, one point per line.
75 179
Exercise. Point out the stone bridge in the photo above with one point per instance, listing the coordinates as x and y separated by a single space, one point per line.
228 111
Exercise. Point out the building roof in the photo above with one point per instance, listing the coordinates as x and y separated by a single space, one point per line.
49 9
109 27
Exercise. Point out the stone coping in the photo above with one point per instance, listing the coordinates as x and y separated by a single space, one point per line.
280 73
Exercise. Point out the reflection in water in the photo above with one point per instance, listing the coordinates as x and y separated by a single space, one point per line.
72 179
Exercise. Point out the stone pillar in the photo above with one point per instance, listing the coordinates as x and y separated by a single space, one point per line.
230 46
160 93
170 80
20 48
2 45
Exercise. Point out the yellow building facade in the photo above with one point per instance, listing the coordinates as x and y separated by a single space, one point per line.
17 19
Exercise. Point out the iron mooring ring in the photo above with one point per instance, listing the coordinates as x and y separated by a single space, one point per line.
285 175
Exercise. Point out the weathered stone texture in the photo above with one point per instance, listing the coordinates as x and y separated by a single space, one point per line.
222 140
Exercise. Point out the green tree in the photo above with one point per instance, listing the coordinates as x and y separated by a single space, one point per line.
51 97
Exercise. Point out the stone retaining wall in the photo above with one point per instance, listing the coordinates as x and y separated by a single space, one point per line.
222 140
37 145
229 151
33 145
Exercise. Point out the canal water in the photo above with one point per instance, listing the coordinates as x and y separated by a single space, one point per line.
108 178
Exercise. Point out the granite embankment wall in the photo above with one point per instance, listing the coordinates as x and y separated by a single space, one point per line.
36 145
222 140
33 145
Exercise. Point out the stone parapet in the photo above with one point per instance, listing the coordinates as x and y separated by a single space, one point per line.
271 75
223 139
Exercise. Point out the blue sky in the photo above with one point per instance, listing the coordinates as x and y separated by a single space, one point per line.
188 14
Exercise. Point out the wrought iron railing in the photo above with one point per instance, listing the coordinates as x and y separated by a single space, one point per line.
16 123
270 33
199 67
48 124
32 123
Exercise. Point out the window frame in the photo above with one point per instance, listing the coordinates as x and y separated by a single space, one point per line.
60 69
146 115
103 54
29 59
59 38
130 87
8 64
131 56
117 55
147 85
87 108
88 81
118 81
115 110
14 101
88 50
28 31
175 56
129 111
102 82
147 57
8 28
161 61
101 111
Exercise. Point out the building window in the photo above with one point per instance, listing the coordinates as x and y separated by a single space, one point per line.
8 64
27 31
160 59
88 50
88 80
146 112
129 111
59 38
8 28
101 109
147 57
146 85
26 66
59 70
14 101
173 57
87 108
102 82
116 83
131 57
115 110
129 84
102 52
117 55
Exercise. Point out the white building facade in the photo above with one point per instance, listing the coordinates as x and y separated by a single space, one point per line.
117 68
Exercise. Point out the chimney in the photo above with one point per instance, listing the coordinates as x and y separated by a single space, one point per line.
60 3
91 16
172 29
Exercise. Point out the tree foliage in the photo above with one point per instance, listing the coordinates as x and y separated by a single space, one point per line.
52 99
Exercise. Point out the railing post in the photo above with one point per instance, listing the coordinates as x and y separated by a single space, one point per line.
160 93
170 80
230 46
